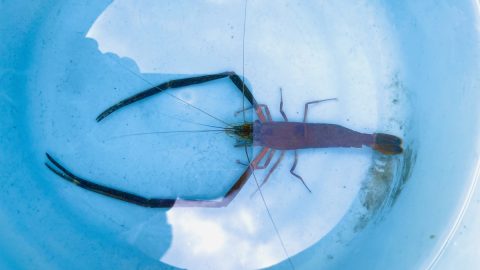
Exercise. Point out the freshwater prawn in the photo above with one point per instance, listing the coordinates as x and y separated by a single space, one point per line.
264 132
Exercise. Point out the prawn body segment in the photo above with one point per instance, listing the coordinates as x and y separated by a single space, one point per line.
298 135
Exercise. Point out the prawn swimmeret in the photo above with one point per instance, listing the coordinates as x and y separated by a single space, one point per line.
271 135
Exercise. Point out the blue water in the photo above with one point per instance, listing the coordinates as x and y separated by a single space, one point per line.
406 68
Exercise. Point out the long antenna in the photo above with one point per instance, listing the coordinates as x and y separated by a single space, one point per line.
163 132
243 59
187 121
246 150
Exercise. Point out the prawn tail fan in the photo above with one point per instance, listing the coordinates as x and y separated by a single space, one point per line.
387 144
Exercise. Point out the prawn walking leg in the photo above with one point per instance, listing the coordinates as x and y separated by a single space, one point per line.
275 165
259 108
271 152
296 175
267 161
281 107
313 102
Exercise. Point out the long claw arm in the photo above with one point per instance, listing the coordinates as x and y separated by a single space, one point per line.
236 80
107 191
128 197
